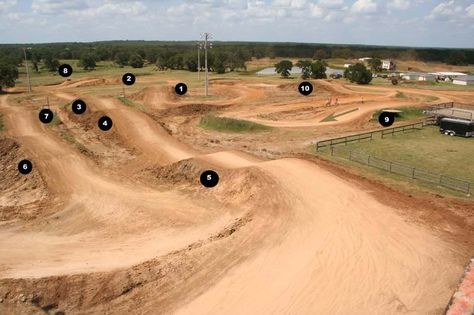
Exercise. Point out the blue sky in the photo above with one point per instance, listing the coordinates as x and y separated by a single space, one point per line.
439 23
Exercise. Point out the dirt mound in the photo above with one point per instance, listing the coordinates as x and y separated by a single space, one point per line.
184 172
106 148
288 86
116 291
124 290
89 122
21 194
190 110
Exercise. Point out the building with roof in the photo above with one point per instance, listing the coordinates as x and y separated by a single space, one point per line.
464 80
388 64
448 76
418 76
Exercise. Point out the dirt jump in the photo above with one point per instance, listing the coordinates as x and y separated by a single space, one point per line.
141 235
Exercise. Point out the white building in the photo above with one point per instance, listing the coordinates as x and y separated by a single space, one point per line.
448 76
464 80
418 76
388 64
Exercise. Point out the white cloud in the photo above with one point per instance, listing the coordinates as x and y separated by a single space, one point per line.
6 5
399 4
331 3
53 7
364 6
129 9
446 9
470 11
291 4
343 21
316 11
88 8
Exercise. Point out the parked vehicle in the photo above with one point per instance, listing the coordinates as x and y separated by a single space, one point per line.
456 127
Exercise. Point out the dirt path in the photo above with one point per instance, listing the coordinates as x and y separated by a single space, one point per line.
336 248
343 251
97 216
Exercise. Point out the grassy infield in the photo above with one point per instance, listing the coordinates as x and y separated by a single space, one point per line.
230 125
426 149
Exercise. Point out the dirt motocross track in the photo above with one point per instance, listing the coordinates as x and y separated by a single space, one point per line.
118 222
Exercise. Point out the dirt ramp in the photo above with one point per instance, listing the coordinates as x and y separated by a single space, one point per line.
21 194
238 186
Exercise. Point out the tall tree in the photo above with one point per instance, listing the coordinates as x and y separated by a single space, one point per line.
191 62
35 60
121 58
219 63
136 61
320 54
375 64
51 63
8 75
305 66
318 70
87 61
284 68
358 73
457 58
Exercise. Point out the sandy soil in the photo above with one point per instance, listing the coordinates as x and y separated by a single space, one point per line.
121 224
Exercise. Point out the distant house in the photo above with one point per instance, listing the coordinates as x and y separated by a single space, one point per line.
464 80
365 59
347 65
418 76
388 64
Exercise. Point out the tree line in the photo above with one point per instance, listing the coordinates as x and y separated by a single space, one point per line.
357 73
226 56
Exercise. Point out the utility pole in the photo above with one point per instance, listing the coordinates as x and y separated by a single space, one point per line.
27 70
199 59
207 45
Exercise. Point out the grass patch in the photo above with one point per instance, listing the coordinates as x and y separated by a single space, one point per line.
329 118
56 120
333 117
408 113
131 103
2 126
68 137
426 149
401 95
66 105
225 124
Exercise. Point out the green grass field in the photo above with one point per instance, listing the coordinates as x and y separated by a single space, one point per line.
225 124
131 103
427 149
